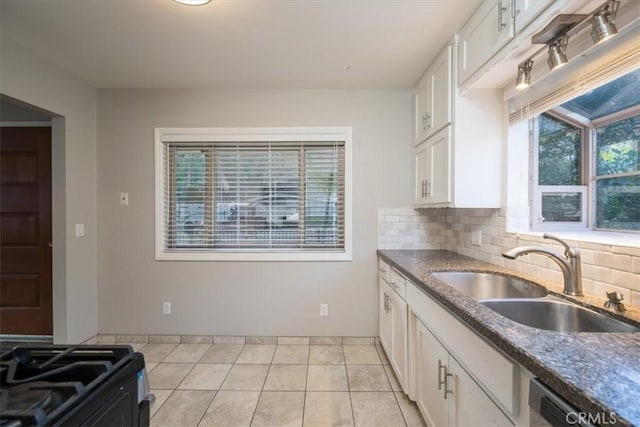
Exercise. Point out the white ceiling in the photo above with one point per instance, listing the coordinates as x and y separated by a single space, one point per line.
315 44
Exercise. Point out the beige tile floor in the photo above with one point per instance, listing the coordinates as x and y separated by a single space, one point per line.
275 385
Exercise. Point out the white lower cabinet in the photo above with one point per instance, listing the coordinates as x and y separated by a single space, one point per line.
445 393
430 396
393 326
454 375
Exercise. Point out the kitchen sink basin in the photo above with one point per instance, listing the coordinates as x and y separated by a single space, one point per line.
556 315
488 285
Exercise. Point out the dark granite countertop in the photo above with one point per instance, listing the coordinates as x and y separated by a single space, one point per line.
596 372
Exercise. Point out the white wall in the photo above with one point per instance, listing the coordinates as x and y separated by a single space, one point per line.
30 79
242 298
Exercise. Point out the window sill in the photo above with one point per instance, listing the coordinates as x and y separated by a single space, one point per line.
631 240
253 256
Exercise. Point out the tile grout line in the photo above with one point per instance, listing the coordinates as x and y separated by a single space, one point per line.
346 371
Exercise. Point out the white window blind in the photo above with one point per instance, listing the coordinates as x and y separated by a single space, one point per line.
253 196
579 77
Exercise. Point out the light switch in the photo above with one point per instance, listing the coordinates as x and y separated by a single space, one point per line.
124 199
79 230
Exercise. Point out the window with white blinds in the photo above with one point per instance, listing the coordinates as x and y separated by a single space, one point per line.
251 196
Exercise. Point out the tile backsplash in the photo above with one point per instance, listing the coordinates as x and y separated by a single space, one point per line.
605 268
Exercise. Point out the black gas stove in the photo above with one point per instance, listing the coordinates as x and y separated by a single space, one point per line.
104 385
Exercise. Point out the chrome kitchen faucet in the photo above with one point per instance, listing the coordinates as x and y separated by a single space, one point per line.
569 264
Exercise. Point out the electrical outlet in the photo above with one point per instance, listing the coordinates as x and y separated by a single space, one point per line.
124 199
476 237
324 310
166 307
79 230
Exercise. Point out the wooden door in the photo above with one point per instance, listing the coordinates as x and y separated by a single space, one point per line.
25 231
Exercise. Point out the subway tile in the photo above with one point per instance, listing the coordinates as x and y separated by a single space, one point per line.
613 261
596 273
626 250
626 280
635 298
635 266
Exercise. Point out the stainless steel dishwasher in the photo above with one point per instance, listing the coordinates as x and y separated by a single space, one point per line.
547 408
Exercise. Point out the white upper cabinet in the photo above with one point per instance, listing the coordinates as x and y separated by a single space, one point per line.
526 11
458 156
433 169
488 31
433 97
495 29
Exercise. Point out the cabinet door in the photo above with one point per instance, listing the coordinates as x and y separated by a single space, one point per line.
439 106
526 11
468 404
385 316
399 338
431 360
488 30
422 108
421 164
438 188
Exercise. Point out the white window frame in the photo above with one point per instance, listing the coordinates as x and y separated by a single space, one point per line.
252 134
536 190
589 177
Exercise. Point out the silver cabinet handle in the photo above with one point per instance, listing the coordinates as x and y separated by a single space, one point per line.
424 121
514 12
428 188
428 120
501 23
446 382
383 270
385 303
441 382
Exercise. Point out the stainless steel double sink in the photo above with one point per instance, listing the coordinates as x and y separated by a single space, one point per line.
529 304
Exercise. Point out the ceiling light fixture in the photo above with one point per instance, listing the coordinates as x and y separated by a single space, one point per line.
558 53
193 2
523 80
603 25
